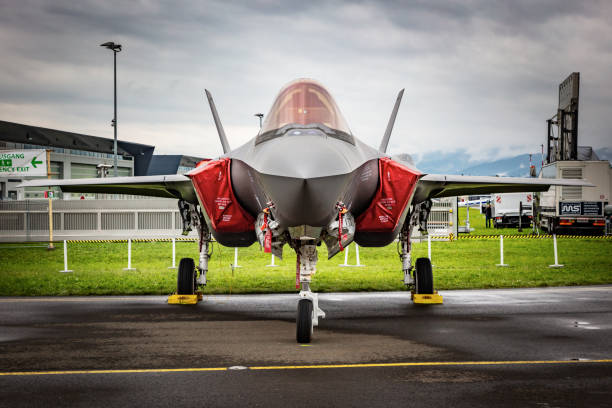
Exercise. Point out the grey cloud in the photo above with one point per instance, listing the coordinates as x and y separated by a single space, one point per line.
478 73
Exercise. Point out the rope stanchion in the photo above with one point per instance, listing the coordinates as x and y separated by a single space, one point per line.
272 264
235 264
129 265
501 251
66 270
346 255
173 255
346 252
556 264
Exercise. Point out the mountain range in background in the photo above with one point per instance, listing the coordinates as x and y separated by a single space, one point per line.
517 166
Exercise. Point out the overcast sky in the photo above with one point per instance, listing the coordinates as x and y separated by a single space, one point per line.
479 75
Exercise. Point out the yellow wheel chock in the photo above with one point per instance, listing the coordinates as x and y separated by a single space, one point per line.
175 299
427 299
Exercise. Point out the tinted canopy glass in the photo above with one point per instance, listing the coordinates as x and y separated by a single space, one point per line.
304 102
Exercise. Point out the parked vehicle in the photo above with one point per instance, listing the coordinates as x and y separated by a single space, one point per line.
508 207
576 209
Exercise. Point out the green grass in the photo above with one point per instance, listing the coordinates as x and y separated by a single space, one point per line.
98 267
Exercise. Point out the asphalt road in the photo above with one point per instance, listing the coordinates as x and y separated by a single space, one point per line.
522 347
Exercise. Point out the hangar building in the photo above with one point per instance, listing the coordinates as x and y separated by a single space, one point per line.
75 155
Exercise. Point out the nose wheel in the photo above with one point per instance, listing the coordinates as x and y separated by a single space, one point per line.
308 311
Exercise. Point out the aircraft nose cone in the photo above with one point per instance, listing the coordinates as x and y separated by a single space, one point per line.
305 177
303 156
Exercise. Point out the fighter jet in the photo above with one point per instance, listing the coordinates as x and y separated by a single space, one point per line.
304 180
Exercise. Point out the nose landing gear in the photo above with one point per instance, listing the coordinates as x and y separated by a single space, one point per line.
308 312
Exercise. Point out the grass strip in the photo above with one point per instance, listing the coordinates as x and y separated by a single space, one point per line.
31 270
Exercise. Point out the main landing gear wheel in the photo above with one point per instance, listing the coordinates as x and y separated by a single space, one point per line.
304 321
423 277
185 282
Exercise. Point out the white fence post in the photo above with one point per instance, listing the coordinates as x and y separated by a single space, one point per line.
346 255
501 251
129 267
556 264
66 258
272 264
429 249
235 264
357 255
346 251
173 254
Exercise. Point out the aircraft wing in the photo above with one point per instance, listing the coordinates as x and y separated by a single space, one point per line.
441 185
170 186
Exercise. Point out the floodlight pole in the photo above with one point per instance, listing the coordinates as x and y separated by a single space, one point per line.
50 203
115 48
260 116
115 114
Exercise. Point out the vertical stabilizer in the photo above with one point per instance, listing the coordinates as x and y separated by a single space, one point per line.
213 109
385 141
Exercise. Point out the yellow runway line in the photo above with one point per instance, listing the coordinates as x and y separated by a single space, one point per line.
430 364
80 299
302 367
144 370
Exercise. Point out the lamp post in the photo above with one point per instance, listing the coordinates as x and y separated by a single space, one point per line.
115 48
260 116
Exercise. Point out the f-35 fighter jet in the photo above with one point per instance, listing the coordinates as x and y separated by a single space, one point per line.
305 179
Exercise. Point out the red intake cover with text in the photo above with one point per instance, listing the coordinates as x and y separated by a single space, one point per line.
396 185
213 185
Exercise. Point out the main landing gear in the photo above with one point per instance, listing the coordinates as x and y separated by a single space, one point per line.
187 280
308 312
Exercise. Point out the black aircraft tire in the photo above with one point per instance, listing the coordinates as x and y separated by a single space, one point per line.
304 321
185 282
423 276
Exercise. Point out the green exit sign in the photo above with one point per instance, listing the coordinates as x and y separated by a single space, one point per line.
6 162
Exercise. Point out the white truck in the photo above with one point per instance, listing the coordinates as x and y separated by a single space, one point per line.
576 209
506 209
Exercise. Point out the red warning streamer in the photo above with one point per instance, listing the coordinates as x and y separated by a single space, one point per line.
341 211
268 235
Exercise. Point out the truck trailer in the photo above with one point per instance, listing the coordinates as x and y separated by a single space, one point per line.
579 210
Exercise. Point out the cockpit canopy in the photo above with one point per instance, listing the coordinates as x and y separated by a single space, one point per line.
304 103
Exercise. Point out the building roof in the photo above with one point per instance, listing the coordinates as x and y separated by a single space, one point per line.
169 163
21 133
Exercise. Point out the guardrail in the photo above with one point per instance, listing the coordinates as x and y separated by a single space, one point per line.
28 220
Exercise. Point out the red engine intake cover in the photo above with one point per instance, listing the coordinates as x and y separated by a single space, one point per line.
395 188
213 185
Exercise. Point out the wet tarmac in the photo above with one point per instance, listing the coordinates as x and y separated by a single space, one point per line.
520 347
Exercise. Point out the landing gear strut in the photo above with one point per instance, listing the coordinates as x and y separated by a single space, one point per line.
308 312
420 278
187 279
